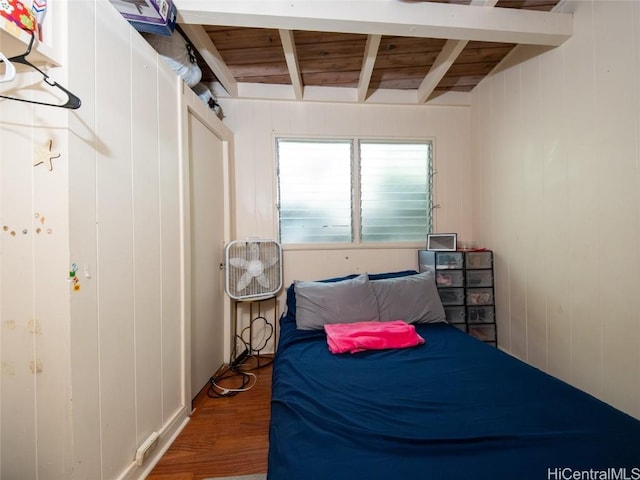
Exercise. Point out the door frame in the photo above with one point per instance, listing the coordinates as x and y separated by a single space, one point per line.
192 105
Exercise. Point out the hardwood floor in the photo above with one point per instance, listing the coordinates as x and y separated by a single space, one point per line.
225 436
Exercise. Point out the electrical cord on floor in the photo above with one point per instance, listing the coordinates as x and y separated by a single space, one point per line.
248 359
225 372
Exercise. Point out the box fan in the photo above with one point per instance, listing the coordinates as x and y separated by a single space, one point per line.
253 269
253 273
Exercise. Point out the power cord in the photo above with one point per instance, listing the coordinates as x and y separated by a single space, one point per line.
239 366
225 372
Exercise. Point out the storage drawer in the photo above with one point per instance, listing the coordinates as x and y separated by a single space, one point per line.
451 296
426 261
479 278
486 333
450 278
449 260
481 314
479 259
455 314
480 296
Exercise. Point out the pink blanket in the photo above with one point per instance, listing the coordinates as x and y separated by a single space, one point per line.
359 336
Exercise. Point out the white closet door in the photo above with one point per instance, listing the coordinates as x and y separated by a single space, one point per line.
207 246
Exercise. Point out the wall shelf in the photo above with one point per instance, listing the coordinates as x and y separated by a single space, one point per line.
14 41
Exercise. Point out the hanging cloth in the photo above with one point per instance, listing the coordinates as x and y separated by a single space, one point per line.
17 13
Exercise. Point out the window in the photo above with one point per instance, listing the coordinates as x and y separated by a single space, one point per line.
314 185
353 191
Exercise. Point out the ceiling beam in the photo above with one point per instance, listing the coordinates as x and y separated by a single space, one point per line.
200 39
440 67
451 50
291 57
370 54
385 17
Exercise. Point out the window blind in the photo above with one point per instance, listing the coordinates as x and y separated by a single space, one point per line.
395 198
315 191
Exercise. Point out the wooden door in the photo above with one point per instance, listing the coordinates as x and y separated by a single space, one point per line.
206 180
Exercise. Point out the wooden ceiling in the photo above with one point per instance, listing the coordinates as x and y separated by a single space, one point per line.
252 55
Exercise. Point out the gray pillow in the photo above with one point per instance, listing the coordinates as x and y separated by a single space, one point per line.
347 301
413 298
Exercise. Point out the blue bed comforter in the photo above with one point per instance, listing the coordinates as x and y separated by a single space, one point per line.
453 408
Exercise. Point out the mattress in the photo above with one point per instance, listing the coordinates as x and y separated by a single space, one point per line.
451 408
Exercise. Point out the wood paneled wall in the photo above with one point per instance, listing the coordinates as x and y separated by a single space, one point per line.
127 331
255 125
91 368
556 135
35 390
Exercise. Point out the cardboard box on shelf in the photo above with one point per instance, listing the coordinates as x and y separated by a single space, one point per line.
152 16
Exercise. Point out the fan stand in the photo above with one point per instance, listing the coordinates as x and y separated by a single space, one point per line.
237 358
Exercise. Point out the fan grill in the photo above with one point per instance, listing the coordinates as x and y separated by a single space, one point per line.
253 269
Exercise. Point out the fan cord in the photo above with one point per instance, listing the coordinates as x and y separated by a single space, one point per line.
248 381
237 368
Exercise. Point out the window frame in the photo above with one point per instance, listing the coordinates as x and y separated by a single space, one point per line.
356 234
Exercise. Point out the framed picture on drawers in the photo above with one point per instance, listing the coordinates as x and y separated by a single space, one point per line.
442 242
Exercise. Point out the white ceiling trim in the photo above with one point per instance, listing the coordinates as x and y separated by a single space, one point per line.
261 91
385 17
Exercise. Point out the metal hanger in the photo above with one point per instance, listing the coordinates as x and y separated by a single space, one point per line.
72 102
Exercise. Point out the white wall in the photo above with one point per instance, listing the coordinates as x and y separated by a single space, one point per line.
255 124
127 335
89 373
35 390
556 136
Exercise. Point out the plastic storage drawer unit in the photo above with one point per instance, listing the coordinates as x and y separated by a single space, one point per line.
479 259
481 314
449 278
480 296
452 296
455 314
479 278
486 333
449 260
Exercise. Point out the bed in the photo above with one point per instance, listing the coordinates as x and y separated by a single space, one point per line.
451 408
